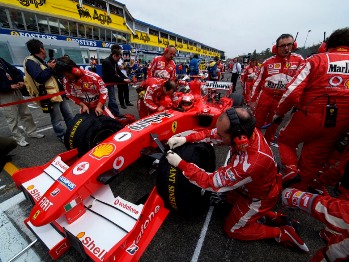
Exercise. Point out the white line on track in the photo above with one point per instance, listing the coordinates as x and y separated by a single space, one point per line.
11 241
202 235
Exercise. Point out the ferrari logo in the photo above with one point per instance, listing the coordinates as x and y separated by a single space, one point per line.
288 65
36 214
174 126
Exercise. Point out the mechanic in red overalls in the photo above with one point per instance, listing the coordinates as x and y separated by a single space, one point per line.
320 91
248 76
250 177
276 72
163 66
332 212
151 92
85 88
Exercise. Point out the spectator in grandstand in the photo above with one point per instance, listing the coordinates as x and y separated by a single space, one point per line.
163 66
235 72
41 75
320 92
194 65
250 178
84 87
111 73
11 82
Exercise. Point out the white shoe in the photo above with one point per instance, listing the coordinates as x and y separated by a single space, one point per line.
36 135
22 142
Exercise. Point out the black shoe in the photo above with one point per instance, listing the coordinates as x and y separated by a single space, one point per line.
129 104
124 107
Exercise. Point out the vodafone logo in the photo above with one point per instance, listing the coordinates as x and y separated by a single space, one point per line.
81 168
118 162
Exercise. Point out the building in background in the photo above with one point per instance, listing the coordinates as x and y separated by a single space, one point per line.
94 25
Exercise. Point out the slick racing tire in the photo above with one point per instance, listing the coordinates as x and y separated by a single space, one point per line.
175 189
87 130
238 100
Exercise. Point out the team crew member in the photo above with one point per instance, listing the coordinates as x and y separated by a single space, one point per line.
330 211
154 91
250 176
85 88
163 66
247 77
276 72
320 91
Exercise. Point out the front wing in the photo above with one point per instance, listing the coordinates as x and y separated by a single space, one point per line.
111 228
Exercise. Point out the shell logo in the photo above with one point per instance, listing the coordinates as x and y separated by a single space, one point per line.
104 44
14 33
102 150
30 187
68 39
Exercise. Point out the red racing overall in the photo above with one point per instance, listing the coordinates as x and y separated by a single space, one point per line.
252 181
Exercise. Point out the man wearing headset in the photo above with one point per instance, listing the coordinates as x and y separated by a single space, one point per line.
276 72
250 177
85 88
320 90
163 66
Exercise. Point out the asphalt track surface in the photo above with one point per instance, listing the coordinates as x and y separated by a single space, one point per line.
199 238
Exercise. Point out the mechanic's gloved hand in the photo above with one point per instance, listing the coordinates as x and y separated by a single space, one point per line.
176 141
173 158
277 119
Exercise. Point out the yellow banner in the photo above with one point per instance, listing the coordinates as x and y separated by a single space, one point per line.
69 9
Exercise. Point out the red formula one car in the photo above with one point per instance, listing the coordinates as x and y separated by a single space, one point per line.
73 204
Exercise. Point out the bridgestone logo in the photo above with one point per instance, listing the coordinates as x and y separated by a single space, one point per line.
339 67
172 187
72 133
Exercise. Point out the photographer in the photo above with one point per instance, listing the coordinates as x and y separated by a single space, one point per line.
40 80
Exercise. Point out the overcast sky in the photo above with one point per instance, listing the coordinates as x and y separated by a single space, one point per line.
240 27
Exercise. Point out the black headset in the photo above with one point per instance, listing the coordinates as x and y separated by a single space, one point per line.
239 135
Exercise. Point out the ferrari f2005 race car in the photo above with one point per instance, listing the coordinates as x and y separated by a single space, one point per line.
73 204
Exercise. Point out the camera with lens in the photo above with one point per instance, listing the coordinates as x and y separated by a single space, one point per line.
42 90
51 54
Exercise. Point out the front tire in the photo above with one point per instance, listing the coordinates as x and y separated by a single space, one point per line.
88 130
175 189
